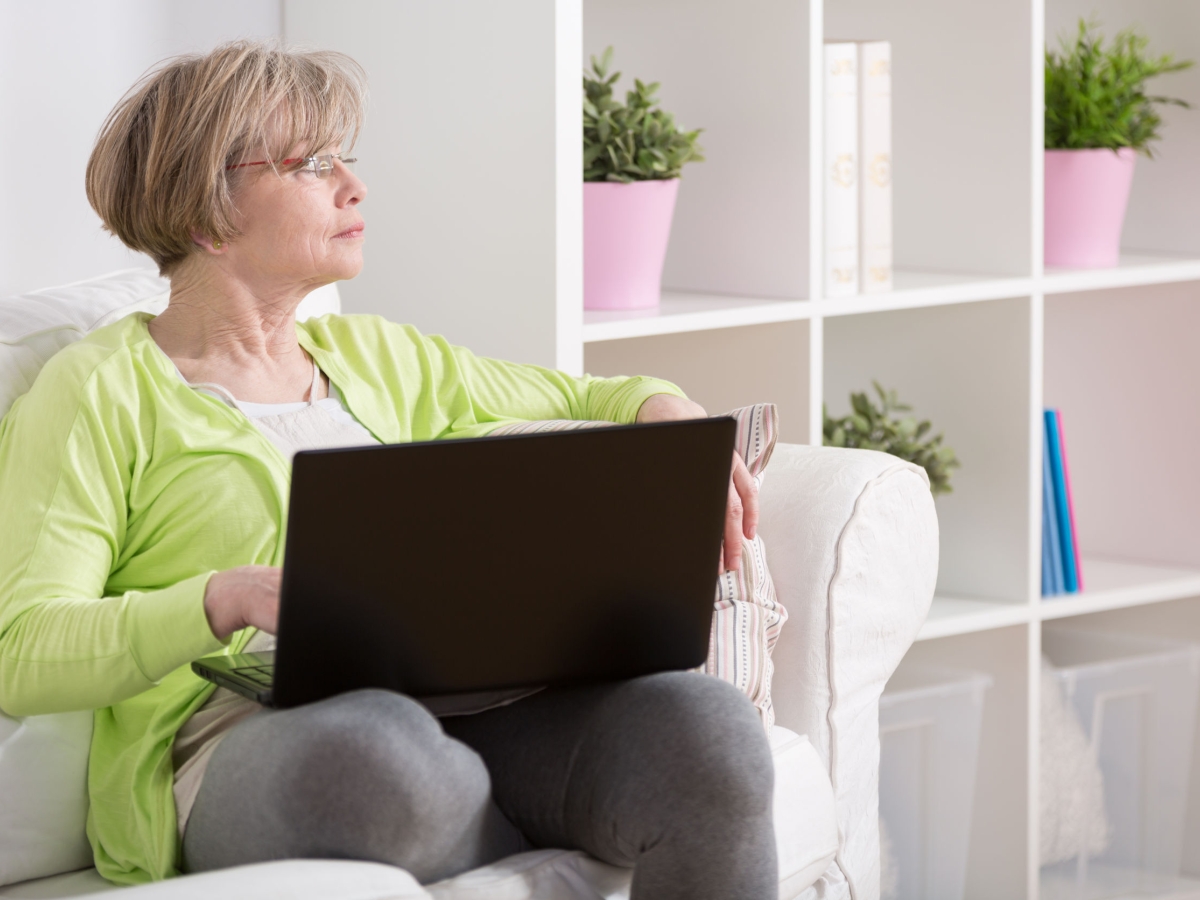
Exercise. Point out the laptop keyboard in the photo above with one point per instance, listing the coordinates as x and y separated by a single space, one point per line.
261 675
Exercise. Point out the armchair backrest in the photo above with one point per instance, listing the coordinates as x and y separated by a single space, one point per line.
35 326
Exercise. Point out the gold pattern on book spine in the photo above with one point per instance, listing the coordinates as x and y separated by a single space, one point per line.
842 171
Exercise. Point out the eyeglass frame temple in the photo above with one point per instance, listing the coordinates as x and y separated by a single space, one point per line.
294 159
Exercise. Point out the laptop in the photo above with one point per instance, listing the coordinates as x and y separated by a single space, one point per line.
455 567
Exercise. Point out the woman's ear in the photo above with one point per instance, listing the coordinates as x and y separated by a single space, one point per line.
207 244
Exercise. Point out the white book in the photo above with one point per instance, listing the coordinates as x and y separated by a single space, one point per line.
875 172
841 169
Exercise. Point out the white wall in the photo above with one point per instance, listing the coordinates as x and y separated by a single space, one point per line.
459 157
63 65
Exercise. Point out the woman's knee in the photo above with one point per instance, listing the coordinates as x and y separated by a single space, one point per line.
704 735
366 775
369 774
382 749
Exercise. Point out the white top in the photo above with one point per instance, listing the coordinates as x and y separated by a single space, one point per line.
302 425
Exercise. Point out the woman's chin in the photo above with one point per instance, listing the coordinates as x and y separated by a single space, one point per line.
346 267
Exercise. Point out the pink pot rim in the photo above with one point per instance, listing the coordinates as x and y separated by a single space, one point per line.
1116 151
639 181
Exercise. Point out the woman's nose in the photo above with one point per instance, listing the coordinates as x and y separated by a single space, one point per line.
352 190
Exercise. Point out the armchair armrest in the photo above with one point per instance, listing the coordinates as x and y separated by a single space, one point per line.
852 541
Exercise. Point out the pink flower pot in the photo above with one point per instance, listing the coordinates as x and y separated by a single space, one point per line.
625 232
1086 195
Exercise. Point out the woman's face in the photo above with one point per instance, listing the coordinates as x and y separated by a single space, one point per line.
298 228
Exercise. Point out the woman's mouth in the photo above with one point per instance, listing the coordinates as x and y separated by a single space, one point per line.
355 231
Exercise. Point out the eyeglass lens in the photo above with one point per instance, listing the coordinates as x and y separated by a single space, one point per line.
323 164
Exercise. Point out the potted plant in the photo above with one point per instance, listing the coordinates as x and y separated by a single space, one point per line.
632 156
871 427
1098 117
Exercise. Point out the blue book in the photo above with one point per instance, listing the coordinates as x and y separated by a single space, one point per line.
1052 568
1047 575
1066 540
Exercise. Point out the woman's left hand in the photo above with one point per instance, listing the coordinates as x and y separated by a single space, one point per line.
741 512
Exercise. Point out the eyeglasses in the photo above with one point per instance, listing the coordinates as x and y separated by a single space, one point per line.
321 166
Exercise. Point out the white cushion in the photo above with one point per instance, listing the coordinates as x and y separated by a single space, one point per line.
297 879
43 795
43 759
35 326
805 833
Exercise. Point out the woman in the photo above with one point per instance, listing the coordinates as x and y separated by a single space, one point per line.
145 477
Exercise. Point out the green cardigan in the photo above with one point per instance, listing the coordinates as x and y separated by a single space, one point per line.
124 490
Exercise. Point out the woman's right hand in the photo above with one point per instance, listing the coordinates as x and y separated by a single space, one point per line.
245 597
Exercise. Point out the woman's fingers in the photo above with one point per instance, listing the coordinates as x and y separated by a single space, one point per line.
263 612
733 530
741 514
743 481
241 597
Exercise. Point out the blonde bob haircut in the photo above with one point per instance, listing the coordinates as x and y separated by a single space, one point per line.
158 173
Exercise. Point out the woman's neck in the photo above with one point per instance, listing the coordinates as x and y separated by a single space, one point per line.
217 328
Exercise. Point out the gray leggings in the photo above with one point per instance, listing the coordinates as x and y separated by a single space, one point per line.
669 773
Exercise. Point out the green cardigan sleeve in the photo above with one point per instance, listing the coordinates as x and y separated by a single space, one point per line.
512 390
416 387
68 452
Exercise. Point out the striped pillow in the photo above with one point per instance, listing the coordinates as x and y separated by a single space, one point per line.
747 615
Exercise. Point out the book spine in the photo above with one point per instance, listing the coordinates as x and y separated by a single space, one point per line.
1047 564
875 166
1052 546
1066 467
1070 584
841 169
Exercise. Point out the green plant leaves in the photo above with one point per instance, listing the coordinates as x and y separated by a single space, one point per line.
633 141
871 427
1095 95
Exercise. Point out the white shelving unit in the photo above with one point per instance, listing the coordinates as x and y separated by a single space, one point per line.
472 155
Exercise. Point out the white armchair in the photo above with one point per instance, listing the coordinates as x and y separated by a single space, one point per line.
852 541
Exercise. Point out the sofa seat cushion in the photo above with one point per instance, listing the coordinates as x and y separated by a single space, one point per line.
805 831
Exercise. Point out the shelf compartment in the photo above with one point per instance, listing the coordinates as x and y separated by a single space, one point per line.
999 846
959 615
741 225
1117 584
1162 204
971 208
1122 366
966 368
722 370
1133 270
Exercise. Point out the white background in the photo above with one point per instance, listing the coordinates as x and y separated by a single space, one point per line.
63 66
